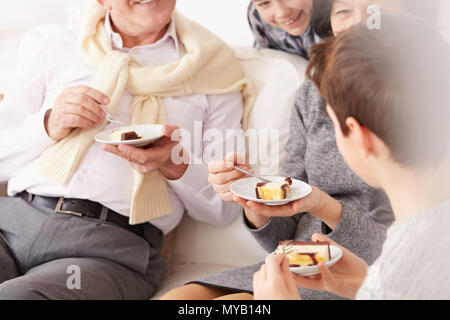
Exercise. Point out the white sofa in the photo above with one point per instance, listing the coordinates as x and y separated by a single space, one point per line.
197 249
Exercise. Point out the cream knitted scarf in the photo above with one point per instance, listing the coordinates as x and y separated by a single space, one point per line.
208 67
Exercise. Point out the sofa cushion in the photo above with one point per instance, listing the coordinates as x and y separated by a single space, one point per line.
276 77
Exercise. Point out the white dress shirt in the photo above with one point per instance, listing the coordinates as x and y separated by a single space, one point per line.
48 62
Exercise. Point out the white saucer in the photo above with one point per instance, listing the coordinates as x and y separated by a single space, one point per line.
335 252
245 188
148 132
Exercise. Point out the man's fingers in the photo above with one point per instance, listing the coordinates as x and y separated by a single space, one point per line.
168 130
77 121
77 109
114 150
136 166
143 169
87 103
143 156
96 95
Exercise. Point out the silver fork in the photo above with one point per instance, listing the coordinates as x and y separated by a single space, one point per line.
284 245
109 117
251 174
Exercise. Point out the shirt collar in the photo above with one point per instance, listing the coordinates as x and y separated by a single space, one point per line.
117 40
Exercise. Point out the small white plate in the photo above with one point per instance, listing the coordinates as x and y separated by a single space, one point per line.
335 252
246 189
148 133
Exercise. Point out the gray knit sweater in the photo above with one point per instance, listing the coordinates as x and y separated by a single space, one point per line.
313 157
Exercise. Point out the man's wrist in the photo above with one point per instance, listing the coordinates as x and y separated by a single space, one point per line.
174 171
50 129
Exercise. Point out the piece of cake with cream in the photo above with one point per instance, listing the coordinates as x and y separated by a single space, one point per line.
303 254
124 134
273 190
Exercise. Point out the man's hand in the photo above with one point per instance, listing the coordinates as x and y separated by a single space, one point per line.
274 280
76 107
158 156
344 278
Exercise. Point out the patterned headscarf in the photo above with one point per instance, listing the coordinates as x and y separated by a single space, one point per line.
268 36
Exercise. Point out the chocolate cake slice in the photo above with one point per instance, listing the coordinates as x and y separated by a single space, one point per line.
131 135
124 134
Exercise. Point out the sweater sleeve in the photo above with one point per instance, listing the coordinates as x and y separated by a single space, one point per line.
364 232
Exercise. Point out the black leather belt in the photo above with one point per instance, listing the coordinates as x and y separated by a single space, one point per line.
82 208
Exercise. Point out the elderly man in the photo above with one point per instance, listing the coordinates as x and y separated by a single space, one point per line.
85 220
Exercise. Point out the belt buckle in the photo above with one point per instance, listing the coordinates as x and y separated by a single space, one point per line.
59 206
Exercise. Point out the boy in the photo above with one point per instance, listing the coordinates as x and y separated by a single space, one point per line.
388 98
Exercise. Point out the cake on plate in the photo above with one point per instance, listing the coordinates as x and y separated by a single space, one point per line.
304 254
124 134
273 190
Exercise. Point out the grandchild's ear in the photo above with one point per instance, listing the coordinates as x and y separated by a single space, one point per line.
361 137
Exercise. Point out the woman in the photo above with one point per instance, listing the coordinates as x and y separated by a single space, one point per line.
341 205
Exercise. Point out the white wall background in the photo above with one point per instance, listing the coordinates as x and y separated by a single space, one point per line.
226 18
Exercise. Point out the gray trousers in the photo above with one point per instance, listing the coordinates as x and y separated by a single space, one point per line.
48 255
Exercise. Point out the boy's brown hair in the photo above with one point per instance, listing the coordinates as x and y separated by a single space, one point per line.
395 81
